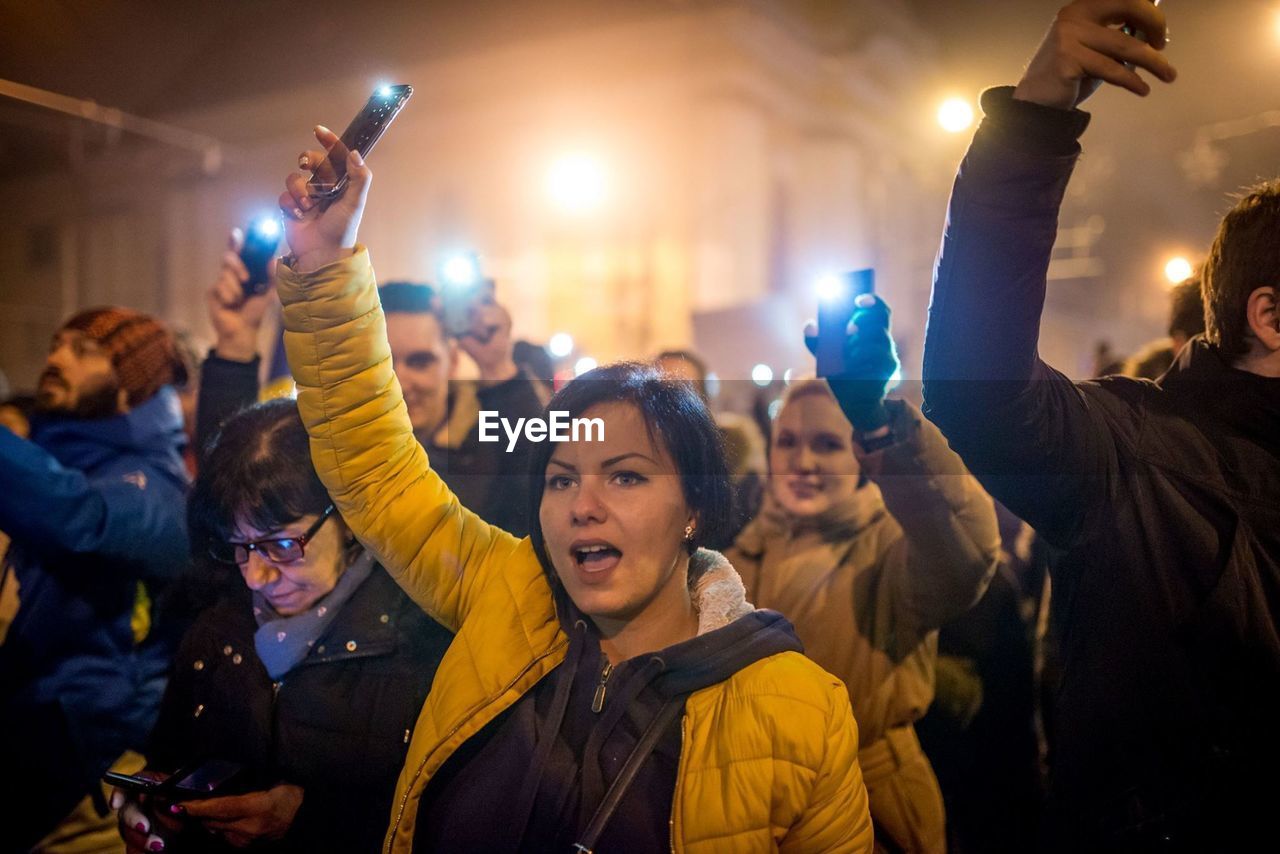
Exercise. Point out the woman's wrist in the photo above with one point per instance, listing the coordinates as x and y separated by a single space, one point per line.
314 259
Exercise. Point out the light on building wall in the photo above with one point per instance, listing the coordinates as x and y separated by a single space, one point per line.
560 345
762 375
576 183
586 363
1178 270
955 115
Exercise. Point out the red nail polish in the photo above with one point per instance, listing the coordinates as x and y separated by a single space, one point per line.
140 827
156 846
177 809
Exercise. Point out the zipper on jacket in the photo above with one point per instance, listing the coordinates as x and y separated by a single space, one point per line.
272 743
680 771
597 702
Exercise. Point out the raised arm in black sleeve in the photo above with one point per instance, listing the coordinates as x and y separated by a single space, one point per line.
1034 439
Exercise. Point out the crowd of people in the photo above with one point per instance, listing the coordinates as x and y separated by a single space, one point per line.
1031 614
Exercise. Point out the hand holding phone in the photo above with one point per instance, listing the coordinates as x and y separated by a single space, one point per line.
835 311
329 177
323 208
236 308
1083 48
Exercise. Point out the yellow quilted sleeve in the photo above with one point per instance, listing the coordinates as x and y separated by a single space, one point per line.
364 450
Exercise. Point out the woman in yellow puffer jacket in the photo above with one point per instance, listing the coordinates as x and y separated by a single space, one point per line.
602 661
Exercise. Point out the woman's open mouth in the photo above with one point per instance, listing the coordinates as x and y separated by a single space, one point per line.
594 558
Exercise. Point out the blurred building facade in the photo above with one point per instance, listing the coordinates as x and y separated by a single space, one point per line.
744 149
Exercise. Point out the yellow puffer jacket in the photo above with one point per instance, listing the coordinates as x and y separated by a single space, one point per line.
769 758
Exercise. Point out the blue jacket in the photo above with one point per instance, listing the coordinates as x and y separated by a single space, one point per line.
96 510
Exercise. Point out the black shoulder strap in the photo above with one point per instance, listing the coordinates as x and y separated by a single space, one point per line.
668 712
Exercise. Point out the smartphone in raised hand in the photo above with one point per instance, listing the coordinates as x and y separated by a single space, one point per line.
835 310
260 241
329 178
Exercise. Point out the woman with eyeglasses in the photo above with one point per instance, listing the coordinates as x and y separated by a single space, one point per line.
308 672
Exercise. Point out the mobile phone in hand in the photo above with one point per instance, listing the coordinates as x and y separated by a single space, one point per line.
329 179
260 241
835 310
212 779
463 289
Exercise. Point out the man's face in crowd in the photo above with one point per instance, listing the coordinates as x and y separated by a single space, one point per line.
78 379
423 360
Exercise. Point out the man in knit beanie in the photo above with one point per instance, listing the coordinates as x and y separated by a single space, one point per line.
108 360
95 505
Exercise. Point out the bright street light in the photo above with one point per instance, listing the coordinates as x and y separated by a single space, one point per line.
560 345
955 115
762 375
1178 270
576 183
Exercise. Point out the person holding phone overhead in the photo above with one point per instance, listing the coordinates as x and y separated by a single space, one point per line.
608 684
1160 501
871 535
307 672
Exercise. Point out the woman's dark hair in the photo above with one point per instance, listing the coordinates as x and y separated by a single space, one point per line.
676 417
258 470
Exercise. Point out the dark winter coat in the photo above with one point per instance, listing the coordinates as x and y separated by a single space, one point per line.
97 514
338 724
1160 501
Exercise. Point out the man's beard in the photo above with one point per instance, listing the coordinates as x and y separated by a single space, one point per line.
99 399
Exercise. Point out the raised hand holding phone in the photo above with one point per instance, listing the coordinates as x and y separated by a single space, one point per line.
236 310
1093 42
855 351
323 207
319 236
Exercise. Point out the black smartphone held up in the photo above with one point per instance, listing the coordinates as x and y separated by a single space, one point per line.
260 241
212 779
835 310
361 135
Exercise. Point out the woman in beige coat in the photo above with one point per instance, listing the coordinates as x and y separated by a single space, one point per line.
869 540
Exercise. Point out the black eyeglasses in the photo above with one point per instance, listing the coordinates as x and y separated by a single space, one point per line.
282 550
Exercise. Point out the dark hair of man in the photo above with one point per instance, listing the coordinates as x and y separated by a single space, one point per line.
675 416
258 471
699 366
1186 309
408 298
1245 256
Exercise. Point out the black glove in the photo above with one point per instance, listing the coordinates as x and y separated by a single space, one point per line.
870 361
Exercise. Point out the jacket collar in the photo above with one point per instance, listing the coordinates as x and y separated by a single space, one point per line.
153 430
1210 390
840 524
